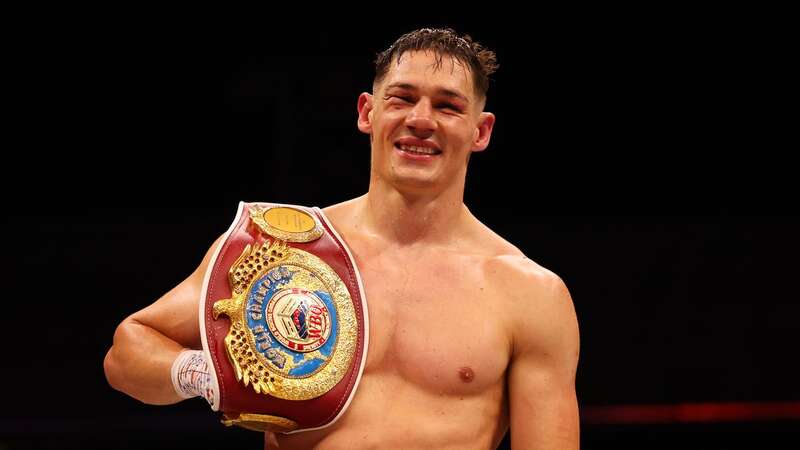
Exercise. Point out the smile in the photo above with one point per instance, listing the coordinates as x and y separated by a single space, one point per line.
414 150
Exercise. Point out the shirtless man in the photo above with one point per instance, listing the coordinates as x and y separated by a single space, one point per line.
467 336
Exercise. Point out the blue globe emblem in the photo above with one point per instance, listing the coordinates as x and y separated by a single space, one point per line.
289 322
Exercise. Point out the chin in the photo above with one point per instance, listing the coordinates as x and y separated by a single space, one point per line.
413 183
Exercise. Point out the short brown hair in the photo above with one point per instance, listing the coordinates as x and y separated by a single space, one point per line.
442 41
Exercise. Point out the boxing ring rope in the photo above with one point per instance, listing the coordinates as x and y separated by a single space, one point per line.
690 413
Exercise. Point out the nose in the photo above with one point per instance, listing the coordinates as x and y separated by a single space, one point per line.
420 119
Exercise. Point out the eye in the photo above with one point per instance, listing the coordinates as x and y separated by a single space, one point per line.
449 106
402 98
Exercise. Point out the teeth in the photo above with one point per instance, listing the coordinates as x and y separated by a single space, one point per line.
414 149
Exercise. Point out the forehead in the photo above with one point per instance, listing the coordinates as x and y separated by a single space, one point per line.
426 69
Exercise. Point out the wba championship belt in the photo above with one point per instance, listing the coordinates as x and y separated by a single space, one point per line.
283 320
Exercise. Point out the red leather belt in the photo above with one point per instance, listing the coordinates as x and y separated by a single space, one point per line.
283 320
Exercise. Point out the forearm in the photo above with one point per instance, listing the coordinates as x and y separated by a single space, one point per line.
139 363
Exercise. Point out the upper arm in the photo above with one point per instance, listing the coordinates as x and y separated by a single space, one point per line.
543 403
146 343
176 313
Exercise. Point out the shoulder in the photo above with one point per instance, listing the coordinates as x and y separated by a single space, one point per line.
525 283
515 276
344 207
523 271
508 266
539 304
344 214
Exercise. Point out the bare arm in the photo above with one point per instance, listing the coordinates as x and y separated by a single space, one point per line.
147 342
544 407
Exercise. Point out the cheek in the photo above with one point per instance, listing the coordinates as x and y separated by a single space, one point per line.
388 125
459 128
463 137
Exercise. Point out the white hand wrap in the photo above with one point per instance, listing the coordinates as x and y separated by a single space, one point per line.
190 376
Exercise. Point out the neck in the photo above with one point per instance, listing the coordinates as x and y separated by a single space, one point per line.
405 218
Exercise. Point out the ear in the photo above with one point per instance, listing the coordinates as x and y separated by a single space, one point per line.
483 132
365 113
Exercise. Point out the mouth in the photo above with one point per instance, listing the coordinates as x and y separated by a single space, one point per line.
416 151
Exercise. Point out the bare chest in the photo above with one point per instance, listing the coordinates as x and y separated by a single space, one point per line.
435 323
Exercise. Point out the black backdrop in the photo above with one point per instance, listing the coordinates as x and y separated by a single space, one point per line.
641 157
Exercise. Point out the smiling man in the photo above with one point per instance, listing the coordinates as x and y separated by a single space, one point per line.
466 336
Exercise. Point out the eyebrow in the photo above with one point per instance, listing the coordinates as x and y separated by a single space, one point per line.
441 91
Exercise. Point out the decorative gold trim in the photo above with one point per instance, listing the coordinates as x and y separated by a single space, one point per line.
250 263
261 422
307 226
250 366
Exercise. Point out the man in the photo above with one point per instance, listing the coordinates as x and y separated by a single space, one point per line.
467 336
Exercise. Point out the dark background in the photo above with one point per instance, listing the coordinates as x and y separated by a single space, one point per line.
641 155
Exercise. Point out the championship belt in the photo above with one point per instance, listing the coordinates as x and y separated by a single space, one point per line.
283 319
